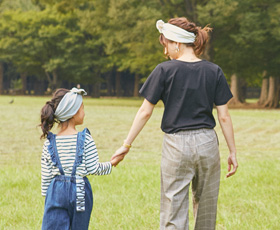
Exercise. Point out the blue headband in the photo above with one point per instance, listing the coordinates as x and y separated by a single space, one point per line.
69 104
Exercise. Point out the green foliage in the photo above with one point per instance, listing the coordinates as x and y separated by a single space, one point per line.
126 30
80 40
135 44
46 41
62 6
16 84
24 5
243 40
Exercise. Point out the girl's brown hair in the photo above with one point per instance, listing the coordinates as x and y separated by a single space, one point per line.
47 112
201 34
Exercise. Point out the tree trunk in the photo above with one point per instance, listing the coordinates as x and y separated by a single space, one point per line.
273 94
277 96
136 86
234 87
96 90
190 9
23 77
1 78
49 78
242 89
264 90
54 83
39 87
118 84
109 83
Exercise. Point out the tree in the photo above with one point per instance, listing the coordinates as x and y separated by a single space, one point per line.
143 51
241 30
91 41
46 43
1 77
23 5
126 30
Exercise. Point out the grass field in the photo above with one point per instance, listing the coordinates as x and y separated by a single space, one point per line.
129 198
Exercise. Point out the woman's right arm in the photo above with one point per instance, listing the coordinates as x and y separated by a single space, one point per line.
227 128
141 118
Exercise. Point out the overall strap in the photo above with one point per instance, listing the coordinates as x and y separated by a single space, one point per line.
81 137
53 152
80 183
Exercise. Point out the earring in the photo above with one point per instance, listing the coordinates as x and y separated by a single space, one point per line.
165 51
177 49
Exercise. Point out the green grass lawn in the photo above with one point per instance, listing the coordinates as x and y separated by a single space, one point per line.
129 198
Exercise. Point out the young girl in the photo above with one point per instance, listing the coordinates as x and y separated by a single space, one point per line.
67 158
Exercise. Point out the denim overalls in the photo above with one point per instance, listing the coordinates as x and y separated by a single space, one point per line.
61 209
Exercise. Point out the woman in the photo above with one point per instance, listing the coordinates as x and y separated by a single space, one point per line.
188 87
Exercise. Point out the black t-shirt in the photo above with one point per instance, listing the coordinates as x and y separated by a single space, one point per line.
188 90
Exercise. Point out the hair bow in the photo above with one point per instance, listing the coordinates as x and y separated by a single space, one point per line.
78 91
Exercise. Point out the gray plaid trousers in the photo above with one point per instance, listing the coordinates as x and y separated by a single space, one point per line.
189 156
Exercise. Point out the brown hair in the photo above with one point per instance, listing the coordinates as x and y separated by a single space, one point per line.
201 34
47 112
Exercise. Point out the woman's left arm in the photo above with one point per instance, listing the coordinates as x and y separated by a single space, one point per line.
227 128
141 118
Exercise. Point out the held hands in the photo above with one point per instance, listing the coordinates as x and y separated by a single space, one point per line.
119 155
116 160
232 161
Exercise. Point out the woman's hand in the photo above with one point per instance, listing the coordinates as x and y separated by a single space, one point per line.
117 160
232 161
119 155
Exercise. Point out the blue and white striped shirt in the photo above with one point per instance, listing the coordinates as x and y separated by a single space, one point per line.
66 148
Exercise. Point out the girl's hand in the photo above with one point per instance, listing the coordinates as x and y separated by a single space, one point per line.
119 155
117 160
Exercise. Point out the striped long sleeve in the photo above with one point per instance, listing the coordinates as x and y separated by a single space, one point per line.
93 165
66 147
46 172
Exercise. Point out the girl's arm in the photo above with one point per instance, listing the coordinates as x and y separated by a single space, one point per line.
141 118
46 172
93 165
227 128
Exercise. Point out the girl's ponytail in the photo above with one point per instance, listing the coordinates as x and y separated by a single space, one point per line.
47 118
47 112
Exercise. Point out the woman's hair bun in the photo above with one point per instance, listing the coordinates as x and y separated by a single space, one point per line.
202 35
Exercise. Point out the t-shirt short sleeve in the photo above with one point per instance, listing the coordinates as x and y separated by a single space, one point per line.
223 93
154 86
